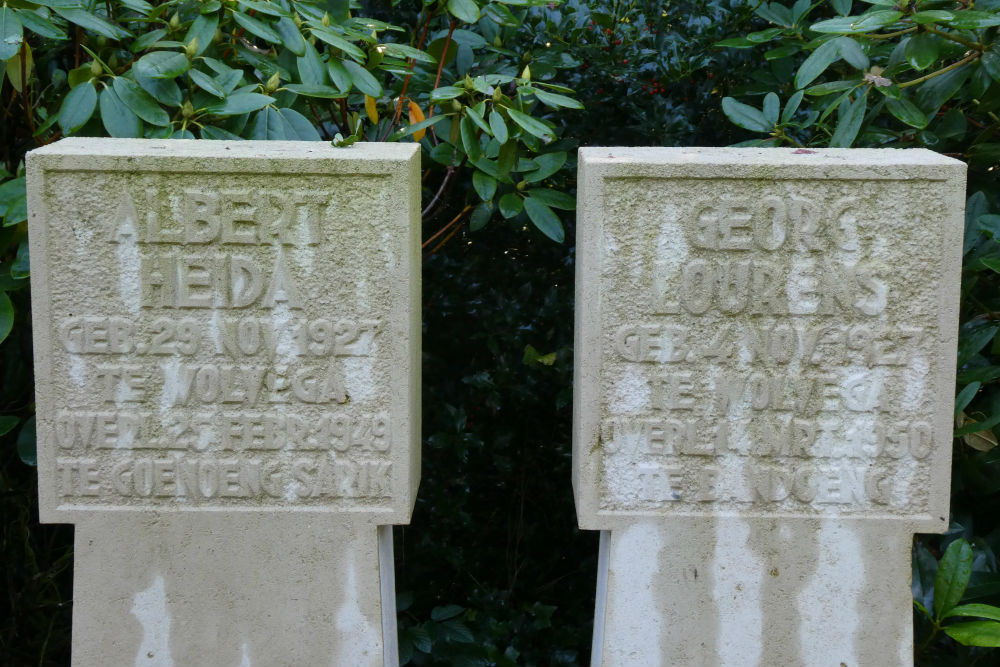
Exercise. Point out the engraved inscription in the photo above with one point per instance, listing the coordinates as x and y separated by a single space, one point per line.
219 345
765 349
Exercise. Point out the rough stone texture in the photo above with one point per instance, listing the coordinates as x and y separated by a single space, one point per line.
227 354
765 342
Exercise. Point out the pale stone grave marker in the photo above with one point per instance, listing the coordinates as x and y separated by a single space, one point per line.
227 341
763 397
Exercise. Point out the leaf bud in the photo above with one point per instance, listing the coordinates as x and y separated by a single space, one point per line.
521 186
175 21
191 48
273 83
526 74
297 19
456 106
113 62
102 41
497 95
326 19
95 68
218 36
187 110
497 42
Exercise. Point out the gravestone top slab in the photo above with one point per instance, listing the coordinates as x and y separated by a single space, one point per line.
766 333
226 326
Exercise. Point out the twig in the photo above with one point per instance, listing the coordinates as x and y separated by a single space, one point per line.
451 222
406 81
440 191
955 38
967 59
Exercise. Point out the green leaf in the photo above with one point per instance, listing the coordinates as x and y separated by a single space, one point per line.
7 424
506 159
261 29
203 29
953 575
325 92
991 63
444 613
973 20
312 71
932 16
162 65
935 92
485 185
140 102
335 40
501 15
164 91
498 126
973 337
975 610
772 106
548 164
556 101
21 268
339 75
464 10
267 7
206 83
531 125
290 35
476 116
965 396
921 50
404 52
117 118
545 219
11 33
825 55
850 115
446 93
975 633
553 198
480 216
363 79
26 443
851 51
6 318
907 111
77 107
88 21
298 126
212 132
240 103
736 43
470 138
745 116
39 25
791 107
510 205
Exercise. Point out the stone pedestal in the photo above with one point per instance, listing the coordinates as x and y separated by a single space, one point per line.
227 354
765 361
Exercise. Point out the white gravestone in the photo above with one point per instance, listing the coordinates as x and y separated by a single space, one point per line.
765 360
227 341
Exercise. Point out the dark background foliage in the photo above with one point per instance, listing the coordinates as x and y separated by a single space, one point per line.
492 569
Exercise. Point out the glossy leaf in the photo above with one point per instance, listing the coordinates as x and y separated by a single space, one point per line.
548 164
499 127
161 65
545 219
922 50
77 107
485 185
531 125
745 116
907 111
6 317
953 574
118 119
206 83
510 205
975 633
257 27
363 79
772 106
11 32
140 102
850 116
825 55
553 198
240 103
464 10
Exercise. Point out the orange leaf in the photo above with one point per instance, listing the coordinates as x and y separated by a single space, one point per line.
416 116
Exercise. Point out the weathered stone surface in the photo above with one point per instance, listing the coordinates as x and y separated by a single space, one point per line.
226 325
765 361
766 333
227 355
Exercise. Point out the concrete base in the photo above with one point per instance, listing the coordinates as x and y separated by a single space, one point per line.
729 592
236 590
